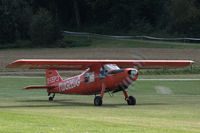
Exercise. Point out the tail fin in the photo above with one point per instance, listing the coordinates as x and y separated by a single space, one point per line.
52 77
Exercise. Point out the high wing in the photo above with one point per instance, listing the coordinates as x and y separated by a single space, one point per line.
84 64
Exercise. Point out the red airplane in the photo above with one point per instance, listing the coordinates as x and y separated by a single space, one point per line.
100 76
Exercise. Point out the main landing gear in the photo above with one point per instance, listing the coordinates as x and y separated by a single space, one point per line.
130 99
98 99
52 97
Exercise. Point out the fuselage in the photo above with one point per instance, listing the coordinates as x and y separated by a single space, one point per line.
90 82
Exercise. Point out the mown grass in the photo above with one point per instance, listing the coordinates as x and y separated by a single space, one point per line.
170 76
185 70
70 41
85 41
29 111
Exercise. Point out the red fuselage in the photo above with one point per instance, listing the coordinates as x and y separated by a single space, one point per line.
90 82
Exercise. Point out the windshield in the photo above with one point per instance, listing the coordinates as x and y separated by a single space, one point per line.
111 67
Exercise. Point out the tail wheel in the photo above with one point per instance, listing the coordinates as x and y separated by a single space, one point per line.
97 101
50 98
131 100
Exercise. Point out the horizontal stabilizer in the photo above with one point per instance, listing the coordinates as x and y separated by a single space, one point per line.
38 87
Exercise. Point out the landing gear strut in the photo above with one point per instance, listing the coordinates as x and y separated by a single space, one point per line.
130 99
98 99
52 97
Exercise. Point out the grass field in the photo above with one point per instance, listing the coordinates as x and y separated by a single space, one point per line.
8 56
107 42
162 106
158 110
99 42
105 49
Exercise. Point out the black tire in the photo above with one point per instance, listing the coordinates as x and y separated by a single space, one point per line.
97 101
50 98
131 100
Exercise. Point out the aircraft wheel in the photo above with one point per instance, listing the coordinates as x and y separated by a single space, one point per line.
50 98
131 100
97 101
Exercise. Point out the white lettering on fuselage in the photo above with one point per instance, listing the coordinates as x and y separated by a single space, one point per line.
69 84
52 79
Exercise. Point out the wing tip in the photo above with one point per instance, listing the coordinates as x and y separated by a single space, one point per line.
14 63
192 62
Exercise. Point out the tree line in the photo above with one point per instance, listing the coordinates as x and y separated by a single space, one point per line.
42 21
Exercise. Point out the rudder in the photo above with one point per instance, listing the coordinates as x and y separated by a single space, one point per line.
52 77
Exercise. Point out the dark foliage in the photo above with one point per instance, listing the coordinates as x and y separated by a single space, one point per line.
15 17
23 19
43 29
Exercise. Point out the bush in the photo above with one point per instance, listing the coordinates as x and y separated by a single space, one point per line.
16 44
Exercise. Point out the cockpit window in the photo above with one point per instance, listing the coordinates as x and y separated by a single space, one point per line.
109 67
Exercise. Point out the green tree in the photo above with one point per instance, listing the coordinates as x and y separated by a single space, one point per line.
15 16
7 27
44 31
183 17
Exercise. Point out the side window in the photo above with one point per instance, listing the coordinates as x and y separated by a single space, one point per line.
86 77
102 72
89 77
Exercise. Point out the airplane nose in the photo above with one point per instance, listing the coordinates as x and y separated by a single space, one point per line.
133 73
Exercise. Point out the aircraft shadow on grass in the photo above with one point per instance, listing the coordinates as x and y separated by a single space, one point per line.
70 102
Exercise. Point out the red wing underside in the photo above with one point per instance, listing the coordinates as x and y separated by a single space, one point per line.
84 64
